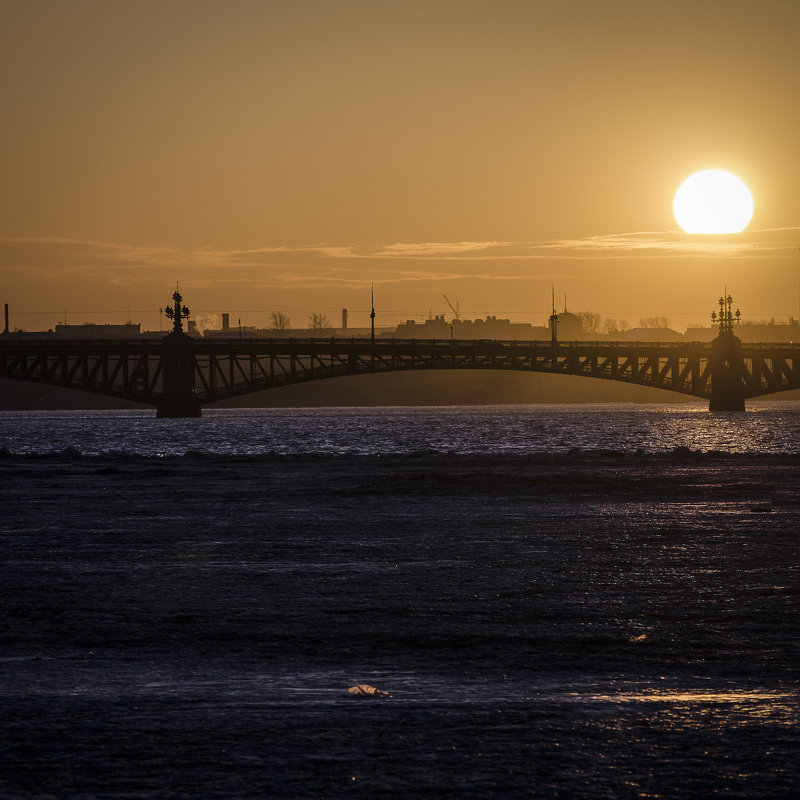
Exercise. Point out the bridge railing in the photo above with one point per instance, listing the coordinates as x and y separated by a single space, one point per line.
444 343
11 341
56 341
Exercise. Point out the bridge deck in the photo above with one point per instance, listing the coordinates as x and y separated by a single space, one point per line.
219 368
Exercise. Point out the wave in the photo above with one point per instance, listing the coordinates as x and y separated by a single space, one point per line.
575 454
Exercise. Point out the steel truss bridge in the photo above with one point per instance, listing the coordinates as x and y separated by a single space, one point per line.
179 374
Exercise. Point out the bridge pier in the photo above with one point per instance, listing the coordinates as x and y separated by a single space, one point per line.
178 397
178 406
726 403
727 373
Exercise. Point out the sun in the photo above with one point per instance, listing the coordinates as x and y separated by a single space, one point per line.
713 201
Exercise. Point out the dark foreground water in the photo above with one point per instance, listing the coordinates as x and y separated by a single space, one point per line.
593 623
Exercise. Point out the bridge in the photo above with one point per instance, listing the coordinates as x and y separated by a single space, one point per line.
179 374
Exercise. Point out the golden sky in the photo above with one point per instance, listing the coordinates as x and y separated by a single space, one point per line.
281 156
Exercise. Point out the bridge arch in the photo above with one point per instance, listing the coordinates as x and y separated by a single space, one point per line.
189 373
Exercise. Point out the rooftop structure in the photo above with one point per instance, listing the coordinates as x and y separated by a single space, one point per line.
91 330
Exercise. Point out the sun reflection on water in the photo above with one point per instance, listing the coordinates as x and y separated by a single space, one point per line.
682 697
680 708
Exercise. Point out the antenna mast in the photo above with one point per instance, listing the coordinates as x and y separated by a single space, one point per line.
372 313
554 319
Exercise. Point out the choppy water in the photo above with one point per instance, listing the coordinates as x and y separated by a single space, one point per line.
767 428
563 602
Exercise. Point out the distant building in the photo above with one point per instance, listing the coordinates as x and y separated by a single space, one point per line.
20 334
650 335
438 327
570 327
89 330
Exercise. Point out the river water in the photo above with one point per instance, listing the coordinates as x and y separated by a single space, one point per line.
767 428
582 601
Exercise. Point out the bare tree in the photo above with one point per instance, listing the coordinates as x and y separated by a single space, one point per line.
655 322
279 321
590 321
318 322
611 325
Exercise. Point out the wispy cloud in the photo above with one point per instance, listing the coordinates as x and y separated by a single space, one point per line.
407 263
774 242
439 249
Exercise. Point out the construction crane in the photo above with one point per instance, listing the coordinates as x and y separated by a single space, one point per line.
452 308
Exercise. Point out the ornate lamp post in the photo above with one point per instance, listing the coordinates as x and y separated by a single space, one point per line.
726 316
727 364
178 398
177 312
